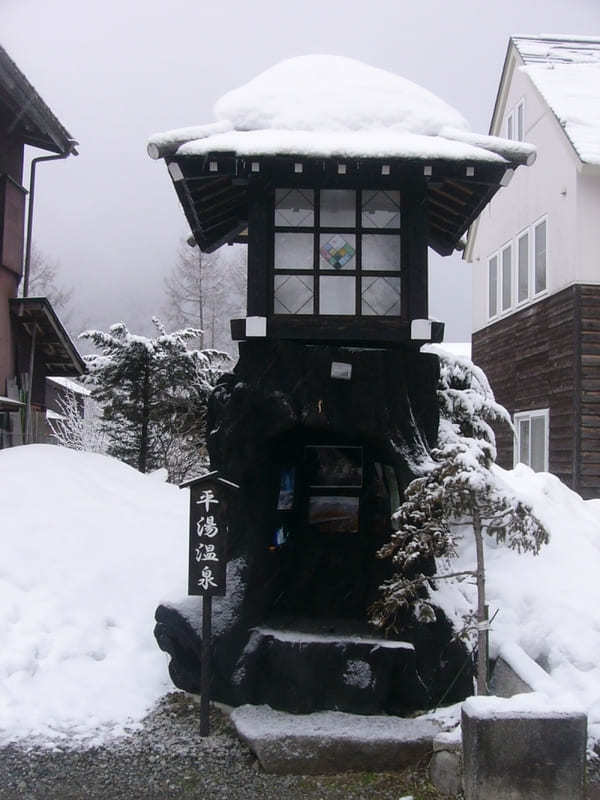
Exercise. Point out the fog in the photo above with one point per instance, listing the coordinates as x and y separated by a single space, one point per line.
116 72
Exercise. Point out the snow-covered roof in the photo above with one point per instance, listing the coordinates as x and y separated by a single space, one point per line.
566 72
70 385
322 105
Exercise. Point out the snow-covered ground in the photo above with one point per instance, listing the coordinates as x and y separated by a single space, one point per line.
547 604
90 546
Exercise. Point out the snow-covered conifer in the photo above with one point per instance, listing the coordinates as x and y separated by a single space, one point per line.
457 493
153 393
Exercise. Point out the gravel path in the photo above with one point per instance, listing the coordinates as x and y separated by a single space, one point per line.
168 760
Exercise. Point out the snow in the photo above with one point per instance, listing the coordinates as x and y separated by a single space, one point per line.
295 636
521 705
89 547
546 604
324 105
263 721
566 71
70 385
317 92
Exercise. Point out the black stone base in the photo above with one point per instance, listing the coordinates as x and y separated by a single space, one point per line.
280 404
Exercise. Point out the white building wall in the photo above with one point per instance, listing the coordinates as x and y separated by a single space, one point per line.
546 189
588 228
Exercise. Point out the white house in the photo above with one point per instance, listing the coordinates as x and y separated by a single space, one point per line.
536 261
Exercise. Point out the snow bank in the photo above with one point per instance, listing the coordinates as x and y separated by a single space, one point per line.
547 604
89 547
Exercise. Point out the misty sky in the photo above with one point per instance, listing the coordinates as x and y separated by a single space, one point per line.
116 72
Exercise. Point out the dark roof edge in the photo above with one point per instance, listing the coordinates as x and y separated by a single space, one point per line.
57 137
45 306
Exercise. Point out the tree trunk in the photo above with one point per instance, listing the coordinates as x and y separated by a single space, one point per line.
482 631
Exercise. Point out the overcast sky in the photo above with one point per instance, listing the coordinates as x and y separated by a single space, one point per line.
116 71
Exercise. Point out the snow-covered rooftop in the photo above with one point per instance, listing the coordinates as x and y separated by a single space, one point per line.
323 105
566 72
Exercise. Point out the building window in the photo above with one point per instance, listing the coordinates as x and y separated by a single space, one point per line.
493 286
539 235
523 267
531 439
521 121
337 252
513 281
515 122
506 278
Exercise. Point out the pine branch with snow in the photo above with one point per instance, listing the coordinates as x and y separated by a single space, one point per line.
153 393
458 492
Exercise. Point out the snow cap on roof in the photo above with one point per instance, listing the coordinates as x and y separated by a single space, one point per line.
320 105
566 72
333 93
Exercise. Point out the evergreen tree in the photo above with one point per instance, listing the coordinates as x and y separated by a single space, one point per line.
458 493
153 393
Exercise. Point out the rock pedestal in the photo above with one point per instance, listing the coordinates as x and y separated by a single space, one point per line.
322 441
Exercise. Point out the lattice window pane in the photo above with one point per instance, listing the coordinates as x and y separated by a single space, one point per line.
294 251
337 251
381 297
293 294
381 252
294 207
338 208
337 295
381 209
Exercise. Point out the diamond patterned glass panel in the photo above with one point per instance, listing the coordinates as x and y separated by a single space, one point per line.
337 251
338 208
294 250
381 252
380 209
293 294
381 297
337 295
294 207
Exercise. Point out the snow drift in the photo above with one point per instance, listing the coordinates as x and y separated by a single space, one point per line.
89 546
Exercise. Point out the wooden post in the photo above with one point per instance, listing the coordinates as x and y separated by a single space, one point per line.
207 562
205 679
482 623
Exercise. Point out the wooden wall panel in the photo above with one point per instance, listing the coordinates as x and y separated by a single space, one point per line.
530 358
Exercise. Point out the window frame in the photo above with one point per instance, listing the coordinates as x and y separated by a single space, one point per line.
515 122
359 231
528 416
532 296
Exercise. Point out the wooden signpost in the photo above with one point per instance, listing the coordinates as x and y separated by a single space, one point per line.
207 563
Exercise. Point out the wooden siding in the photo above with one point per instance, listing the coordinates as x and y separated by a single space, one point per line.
589 397
531 360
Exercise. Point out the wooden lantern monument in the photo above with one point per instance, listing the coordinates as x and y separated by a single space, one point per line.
339 177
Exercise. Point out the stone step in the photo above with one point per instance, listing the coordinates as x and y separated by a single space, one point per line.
331 741
302 672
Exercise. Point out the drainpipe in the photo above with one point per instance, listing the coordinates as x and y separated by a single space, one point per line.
34 163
